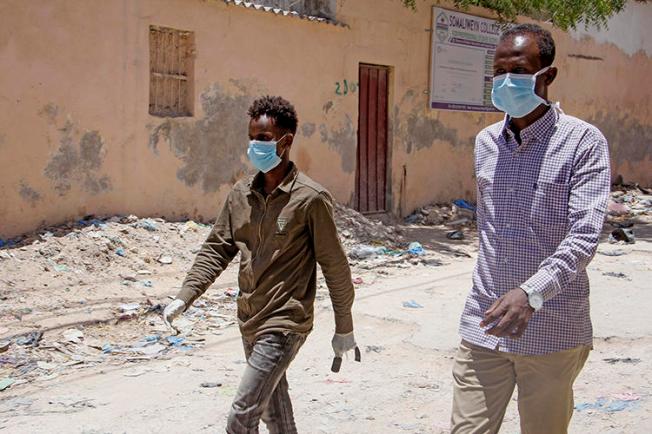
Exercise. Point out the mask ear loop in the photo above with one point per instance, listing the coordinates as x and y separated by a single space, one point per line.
279 141
534 82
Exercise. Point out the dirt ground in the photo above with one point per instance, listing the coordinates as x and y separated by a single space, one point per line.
106 365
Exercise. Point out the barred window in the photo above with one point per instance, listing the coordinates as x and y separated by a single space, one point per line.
171 61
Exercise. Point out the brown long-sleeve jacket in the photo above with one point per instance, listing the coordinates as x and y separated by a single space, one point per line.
281 238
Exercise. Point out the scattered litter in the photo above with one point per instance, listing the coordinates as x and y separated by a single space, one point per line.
147 224
232 292
628 360
120 252
338 381
150 350
461 203
613 253
175 341
607 405
129 307
60 268
617 209
415 248
188 226
358 281
107 349
622 234
412 304
128 277
626 396
615 274
424 385
455 235
211 385
364 252
166 260
73 335
31 339
5 383
374 348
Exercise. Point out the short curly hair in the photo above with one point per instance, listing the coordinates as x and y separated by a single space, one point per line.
278 108
543 37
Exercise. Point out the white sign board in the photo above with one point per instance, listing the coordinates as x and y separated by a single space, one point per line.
463 48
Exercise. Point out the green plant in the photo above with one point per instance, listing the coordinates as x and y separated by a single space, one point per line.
565 14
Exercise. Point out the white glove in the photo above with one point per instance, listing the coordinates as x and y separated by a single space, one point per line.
343 343
172 311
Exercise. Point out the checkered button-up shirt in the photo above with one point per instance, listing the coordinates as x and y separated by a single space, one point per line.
541 207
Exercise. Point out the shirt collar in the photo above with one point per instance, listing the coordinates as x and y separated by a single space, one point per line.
539 130
257 182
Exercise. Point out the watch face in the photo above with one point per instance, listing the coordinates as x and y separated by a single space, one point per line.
536 300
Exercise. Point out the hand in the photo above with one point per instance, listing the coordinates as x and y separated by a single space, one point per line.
343 343
172 311
512 311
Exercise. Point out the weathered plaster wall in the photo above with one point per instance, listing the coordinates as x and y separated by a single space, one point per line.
76 137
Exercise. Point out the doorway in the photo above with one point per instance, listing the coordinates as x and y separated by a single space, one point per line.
371 174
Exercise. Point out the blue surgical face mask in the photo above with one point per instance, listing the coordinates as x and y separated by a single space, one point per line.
262 154
514 93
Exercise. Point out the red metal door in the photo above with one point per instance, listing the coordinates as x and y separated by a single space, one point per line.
372 140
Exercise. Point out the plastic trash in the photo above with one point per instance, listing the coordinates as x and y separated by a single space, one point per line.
175 340
461 203
363 251
120 252
165 259
129 307
73 335
614 360
455 235
209 385
147 224
412 218
415 248
412 305
32 339
6 383
622 234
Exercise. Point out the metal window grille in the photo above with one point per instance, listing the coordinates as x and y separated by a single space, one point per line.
171 72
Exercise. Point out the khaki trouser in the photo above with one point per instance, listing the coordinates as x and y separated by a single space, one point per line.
484 381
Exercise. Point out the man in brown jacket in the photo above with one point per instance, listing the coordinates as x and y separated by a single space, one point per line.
282 224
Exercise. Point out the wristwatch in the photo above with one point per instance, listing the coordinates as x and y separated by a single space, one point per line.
534 297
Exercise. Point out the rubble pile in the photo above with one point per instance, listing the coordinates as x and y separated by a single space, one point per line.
628 206
630 203
355 229
458 213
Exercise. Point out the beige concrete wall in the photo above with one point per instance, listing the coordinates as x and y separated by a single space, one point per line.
76 137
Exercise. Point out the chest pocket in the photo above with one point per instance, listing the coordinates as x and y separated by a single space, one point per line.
550 205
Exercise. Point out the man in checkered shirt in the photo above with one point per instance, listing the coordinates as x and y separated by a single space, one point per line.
543 181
